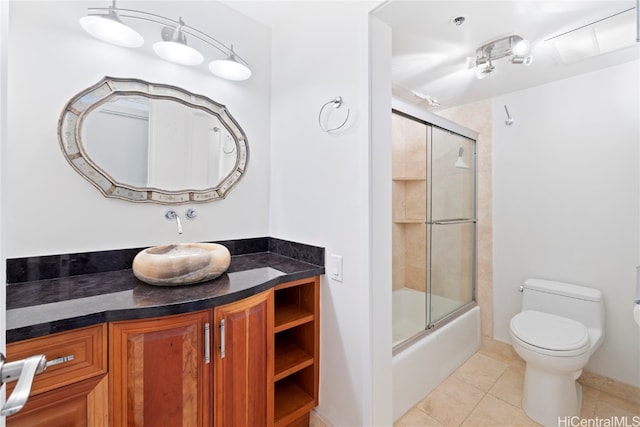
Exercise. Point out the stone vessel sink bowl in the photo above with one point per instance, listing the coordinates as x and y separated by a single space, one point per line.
181 263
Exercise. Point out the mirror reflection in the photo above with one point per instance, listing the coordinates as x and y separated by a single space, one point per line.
148 142
158 143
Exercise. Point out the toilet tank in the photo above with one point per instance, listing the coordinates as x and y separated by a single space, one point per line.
565 299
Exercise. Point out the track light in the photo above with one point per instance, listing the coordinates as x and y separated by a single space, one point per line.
513 45
110 28
105 23
230 68
174 48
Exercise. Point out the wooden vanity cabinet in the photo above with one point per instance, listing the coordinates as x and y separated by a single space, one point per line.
159 371
251 363
71 392
243 368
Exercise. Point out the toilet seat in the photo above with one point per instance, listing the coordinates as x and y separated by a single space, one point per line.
550 334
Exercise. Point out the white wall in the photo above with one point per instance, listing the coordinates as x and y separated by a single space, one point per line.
48 207
566 196
320 182
380 262
4 49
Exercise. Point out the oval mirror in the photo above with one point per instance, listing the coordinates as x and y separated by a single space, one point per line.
147 142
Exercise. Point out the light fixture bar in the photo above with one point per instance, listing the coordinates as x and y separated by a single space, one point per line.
231 55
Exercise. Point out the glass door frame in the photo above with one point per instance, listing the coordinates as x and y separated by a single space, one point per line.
430 323
416 113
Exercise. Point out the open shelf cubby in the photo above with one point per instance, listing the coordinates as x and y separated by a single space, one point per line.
296 345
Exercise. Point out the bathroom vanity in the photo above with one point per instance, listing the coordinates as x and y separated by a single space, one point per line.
239 350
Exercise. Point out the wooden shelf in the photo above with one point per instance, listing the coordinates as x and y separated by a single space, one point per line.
290 315
289 358
291 401
296 341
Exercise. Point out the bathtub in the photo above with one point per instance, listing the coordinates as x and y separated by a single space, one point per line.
420 367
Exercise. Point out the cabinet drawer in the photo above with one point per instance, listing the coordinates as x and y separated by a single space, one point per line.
86 345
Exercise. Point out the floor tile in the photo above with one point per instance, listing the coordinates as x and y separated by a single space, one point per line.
494 412
509 386
609 405
589 400
487 391
451 402
417 418
481 371
316 421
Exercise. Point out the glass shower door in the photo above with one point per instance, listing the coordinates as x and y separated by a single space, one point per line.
451 224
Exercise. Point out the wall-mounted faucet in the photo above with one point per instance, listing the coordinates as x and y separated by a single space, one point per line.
172 215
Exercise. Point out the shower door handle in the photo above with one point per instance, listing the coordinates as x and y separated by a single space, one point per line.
453 221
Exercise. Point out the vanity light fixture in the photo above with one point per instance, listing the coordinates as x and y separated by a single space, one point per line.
174 47
229 68
513 45
105 23
109 27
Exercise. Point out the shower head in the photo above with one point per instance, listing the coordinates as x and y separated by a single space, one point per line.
509 120
460 163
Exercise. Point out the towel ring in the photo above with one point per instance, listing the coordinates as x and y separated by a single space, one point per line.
337 103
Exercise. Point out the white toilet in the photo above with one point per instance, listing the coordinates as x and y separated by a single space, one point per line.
560 326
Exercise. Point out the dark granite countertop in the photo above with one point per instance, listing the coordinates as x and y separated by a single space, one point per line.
42 307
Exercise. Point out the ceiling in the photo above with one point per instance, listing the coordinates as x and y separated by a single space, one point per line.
433 57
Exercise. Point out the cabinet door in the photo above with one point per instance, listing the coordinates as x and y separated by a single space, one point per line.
72 391
159 371
78 405
243 369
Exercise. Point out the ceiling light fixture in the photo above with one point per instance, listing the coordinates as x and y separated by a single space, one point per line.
513 45
105 23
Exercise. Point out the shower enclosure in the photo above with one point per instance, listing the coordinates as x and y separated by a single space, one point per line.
434 226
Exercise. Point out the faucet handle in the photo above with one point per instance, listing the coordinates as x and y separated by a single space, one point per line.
170 214
191 213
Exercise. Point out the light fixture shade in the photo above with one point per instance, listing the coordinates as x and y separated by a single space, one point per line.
110 29
521 48
230 69
485 71
178 53
526 60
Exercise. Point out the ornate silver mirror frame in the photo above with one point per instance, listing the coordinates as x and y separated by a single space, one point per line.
70 126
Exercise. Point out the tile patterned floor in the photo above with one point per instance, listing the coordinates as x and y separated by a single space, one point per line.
487 391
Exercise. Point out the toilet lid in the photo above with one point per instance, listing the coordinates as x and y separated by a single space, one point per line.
549 331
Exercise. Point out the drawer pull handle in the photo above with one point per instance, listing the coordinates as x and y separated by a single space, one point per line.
60 360
207 344
222 346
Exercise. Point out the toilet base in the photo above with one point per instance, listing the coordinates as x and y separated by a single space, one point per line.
550 397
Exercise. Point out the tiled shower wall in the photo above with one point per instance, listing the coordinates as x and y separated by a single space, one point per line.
409 190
